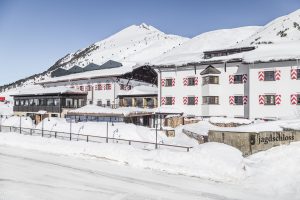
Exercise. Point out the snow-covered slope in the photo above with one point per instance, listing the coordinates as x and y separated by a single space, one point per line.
192 50
282 29
132 44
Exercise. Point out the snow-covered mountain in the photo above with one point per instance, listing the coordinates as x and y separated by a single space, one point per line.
142 44
192 50
137 44
282 29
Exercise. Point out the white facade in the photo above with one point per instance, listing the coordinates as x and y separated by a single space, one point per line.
101 91
230 93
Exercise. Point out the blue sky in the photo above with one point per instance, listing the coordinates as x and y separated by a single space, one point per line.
36 33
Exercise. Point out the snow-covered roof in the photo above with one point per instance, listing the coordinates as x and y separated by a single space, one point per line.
105 111
125 68
139 90
124 111
49 90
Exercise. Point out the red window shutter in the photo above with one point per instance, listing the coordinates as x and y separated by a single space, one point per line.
261 99
163 82
100 87
231 79
163 101
196 101
185 100
185 81
294 74
196 80
173 100
277 75
108 87
245 78
231 100
173 82
278 99
245 100
261 76
294 99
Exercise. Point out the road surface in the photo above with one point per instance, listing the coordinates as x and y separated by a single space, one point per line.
34 175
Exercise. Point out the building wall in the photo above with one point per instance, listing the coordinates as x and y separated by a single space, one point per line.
284 87
224 89
96 94
249 143
250 90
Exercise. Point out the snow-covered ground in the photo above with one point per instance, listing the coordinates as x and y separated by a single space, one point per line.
44 168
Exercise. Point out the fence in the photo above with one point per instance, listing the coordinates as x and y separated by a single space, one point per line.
88 138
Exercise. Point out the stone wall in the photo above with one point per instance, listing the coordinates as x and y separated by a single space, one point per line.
249 142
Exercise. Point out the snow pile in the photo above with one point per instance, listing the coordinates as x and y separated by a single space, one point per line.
6 109
276 170
212 160
262 126
200 128
227 120
49 90
123 111
26 122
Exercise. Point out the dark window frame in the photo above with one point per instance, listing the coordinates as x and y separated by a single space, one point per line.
238 100
238 79
270 99
207 80
168 101
191 100
210 100
168 82
269 75
298 74
191 81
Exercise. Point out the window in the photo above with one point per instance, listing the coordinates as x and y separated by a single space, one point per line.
99 103
298 99
210 100
81 88
122 87
75 103
17 102
238 100
191 81
237 79
36 102
269 76
168 82
128 101
56 102
210 80
43 102
298 73
50 102
108 86
168 101
108 102
31 102
191 100
26 103
81 102
22 102
69 103
269 99
139 102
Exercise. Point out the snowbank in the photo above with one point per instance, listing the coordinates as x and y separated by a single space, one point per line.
211 161
226 120
262 126
276 171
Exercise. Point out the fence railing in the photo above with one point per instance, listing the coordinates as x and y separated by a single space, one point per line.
84 137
